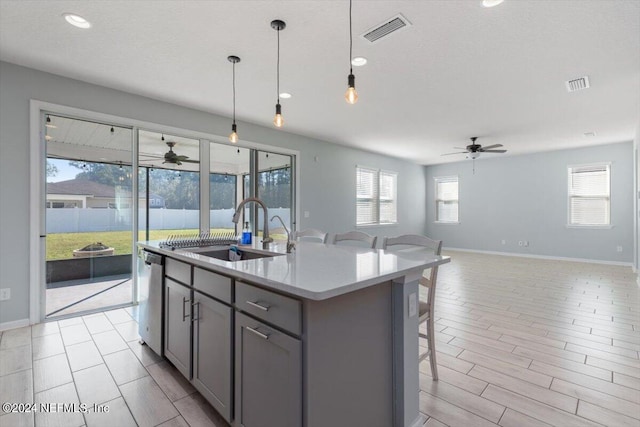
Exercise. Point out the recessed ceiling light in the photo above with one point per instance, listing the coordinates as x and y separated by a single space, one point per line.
589 134
285 95
76 20
358 61
491 3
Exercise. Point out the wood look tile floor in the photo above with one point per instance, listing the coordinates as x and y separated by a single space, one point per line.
521 342
532 342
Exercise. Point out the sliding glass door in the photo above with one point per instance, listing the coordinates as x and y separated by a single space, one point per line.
89 216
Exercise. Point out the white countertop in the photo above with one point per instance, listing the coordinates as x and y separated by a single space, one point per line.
314 271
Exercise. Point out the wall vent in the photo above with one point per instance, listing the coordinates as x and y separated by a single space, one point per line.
577 84
387 27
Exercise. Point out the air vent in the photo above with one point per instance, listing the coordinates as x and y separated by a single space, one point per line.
389 26
577 84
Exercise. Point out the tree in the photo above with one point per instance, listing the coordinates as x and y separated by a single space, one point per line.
52 170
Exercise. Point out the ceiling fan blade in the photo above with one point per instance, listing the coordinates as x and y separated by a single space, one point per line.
460 148
190 161
494 151
459 152
489 147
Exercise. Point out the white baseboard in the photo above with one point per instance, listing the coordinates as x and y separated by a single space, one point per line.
556 258
14 324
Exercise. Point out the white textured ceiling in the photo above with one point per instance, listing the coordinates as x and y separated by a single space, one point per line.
460 70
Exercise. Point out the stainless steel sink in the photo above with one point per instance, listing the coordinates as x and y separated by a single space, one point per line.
222 253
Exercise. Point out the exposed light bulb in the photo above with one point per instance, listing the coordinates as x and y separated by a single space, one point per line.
47 138
233 137
351 95
278 121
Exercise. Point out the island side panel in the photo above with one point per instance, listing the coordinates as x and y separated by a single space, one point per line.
348 349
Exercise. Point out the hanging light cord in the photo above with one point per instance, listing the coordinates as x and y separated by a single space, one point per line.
234 93
350 39
278 68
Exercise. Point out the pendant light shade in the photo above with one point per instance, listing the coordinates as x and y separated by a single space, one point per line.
233 137
351 95
278 121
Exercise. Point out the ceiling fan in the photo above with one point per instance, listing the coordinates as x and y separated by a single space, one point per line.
473 150
171 156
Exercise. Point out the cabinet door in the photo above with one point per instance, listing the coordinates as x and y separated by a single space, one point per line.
212 346
177 327
268 376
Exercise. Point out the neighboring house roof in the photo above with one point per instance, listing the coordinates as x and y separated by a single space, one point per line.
84 187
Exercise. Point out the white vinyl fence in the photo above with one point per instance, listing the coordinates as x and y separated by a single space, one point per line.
78 220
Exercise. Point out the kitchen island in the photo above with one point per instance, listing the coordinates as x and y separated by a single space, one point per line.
324 336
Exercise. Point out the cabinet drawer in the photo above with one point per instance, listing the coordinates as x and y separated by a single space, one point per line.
177 270
273 308
212 284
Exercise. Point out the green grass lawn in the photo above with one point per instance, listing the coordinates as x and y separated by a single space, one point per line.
61 245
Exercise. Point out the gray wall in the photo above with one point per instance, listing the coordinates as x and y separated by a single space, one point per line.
327 185
525 198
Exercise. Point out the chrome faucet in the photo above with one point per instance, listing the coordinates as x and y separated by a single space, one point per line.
290 245
265 233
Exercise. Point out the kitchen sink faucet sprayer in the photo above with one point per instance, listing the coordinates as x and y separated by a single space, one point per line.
265 233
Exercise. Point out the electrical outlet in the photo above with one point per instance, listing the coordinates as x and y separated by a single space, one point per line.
520 243
413 305
504 242
5 294
306 214
619 248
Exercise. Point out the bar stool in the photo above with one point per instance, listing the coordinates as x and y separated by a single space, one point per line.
356 236
310 233
428 281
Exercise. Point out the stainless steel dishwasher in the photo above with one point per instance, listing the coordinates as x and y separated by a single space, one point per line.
150 299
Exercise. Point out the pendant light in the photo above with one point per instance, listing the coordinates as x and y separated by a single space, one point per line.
351 95
278 25
233 137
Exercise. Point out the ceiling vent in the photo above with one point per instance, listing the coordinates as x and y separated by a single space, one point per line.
577 84
387 27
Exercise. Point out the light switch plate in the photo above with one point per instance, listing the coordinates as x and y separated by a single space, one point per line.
5 294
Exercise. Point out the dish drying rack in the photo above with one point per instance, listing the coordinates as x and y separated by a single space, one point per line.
178 241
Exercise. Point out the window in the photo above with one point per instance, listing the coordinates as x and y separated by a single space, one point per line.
589 194
447 199
376 196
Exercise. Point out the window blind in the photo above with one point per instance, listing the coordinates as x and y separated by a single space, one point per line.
376 198
589 195
367 196
447 199
388 188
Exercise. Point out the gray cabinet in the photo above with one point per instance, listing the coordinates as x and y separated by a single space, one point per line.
212 350
268 375
177 339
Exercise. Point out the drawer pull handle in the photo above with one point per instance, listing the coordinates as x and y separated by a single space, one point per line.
258 333
259 306
196 304
184 310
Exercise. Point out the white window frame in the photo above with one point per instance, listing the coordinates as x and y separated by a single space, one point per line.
570 196
376 198
440 179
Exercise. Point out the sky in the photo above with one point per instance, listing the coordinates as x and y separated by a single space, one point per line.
65 171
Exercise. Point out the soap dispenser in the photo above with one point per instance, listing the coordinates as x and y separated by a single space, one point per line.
246 234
